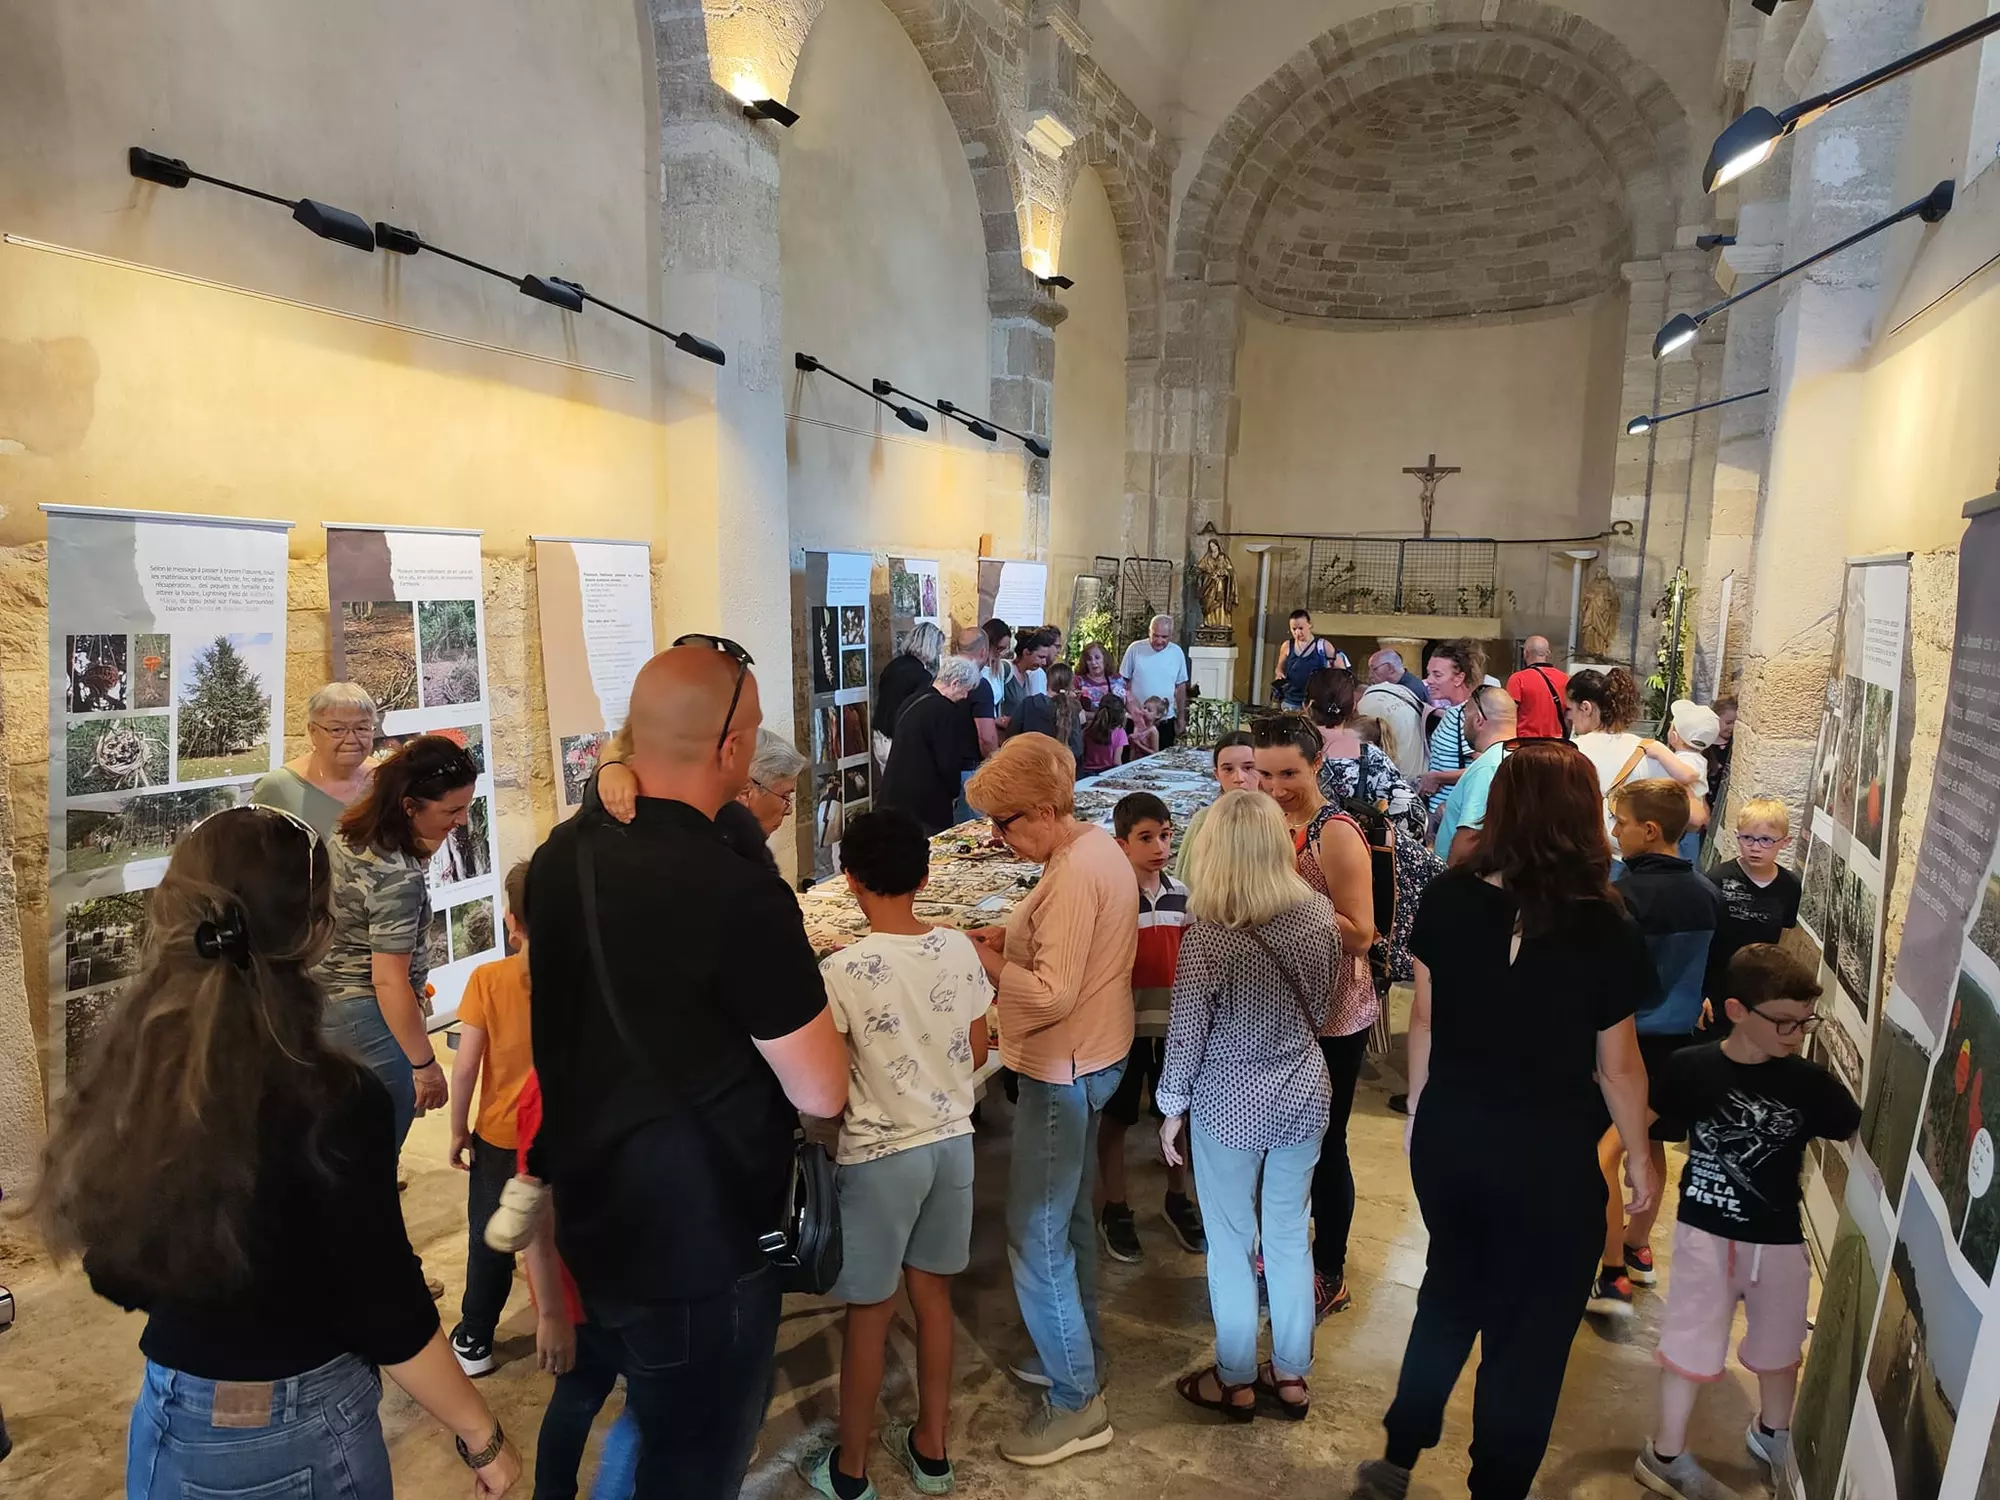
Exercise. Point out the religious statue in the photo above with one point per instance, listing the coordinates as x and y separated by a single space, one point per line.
1215 582
1428 476
1597 618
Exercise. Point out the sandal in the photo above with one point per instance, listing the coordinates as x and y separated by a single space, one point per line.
1189 1387
1271 1395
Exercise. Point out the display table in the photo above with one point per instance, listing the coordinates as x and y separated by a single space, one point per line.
975 884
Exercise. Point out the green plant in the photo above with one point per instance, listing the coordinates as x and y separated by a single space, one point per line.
1673 662
224 708
1093 625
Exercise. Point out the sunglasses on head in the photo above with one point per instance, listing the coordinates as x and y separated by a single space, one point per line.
1276 729
744 662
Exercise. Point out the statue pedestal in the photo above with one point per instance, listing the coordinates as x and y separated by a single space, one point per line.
1213 670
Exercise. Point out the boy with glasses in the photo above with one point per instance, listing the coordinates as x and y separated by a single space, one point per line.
1752 1103
1760 898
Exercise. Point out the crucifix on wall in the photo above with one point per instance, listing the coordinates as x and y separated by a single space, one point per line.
1428 476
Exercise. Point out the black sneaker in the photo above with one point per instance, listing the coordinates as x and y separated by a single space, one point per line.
1611 1297
1399 1104
475 1356
1120 1235
1639 1268
1185 1219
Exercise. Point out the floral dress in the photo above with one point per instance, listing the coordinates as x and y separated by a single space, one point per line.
1094 693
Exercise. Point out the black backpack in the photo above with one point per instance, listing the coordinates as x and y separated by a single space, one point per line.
1379 834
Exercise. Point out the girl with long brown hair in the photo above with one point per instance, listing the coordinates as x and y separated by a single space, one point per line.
222 1167
1528 972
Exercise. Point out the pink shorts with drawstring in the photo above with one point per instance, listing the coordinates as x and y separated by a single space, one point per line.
1708 1277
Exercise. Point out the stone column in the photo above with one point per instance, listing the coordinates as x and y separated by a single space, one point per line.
21 1118
727 562
1023 342
1843 177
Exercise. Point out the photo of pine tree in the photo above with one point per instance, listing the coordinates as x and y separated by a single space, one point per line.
225 711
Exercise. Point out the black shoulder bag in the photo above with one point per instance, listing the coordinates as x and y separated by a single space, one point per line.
1562 719
807 1250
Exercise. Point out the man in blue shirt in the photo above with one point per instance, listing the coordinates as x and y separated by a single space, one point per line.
1387 666
1490 717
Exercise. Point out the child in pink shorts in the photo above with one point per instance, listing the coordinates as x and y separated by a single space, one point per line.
1752 1104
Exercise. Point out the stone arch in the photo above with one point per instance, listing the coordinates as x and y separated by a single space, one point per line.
1627 111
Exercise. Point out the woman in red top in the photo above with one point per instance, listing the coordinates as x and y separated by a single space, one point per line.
1333 859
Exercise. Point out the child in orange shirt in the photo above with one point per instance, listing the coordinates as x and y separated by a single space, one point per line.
496 1047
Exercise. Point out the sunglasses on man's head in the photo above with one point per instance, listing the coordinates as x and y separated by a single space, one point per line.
744 662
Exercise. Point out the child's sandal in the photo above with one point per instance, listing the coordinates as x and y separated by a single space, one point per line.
1271 1395
1189 1387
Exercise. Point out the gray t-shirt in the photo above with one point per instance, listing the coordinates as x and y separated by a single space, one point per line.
381 904
285 788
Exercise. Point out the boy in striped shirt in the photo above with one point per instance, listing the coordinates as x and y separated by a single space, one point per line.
1145 832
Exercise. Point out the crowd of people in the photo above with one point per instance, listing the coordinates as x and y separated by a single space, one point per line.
227 1159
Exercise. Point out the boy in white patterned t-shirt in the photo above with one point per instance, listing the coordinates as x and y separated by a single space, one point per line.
912 1001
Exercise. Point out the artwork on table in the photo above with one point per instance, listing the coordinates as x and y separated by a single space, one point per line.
825 647
96 676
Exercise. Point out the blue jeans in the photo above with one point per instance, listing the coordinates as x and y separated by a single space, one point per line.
315 1436
358 1026
1051 1227
1230 1208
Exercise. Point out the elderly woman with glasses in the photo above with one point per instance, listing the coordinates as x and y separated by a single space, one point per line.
317 787
746 824
1062 975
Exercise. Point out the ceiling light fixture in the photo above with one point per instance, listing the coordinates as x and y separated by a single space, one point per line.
1056 283
1683 328
914 420
1750 139
323 219
1034 445
1640 426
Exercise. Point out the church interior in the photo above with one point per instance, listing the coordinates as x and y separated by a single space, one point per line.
1430 317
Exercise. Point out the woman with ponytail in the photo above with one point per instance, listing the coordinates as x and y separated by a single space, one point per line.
220 1166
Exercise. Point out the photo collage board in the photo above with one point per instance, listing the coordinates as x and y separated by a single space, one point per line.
166 704
408 623
595 603
839 678
1900 1395
1846 848
916 597
1014 591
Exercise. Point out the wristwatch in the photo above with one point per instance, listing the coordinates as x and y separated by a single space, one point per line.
485 1455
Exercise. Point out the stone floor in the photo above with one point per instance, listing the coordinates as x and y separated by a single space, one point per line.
70 1367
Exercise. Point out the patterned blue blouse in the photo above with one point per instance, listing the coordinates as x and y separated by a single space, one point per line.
1241 1056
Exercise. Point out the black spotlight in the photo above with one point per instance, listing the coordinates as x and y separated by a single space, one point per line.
1056 283
771 109
554 291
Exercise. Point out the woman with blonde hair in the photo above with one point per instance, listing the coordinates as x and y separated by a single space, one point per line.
1062 975
224 1167
1244 1074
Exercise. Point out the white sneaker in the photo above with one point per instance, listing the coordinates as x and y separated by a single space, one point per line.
1052 1435
1683 1479
518 1216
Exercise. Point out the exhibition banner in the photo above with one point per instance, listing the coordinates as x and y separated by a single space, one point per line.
840 678
916 597
166 704
408 623
1902 1384
1848 840
1014 591
595 601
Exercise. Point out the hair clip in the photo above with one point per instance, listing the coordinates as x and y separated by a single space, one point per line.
227 938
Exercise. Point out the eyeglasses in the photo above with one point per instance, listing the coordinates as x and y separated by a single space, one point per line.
744 662
1000 825
1786 1025
769 791
1757 840
362 732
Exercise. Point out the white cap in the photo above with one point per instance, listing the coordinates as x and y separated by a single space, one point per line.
1695 724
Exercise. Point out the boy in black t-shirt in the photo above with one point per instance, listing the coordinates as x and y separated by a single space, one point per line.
1752 1104
1760 898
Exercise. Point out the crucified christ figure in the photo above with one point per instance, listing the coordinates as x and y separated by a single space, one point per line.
1429 475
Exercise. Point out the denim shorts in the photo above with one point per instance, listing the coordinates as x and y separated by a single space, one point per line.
913 1208
314 1435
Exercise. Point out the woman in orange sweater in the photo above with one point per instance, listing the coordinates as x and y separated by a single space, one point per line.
1062 973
